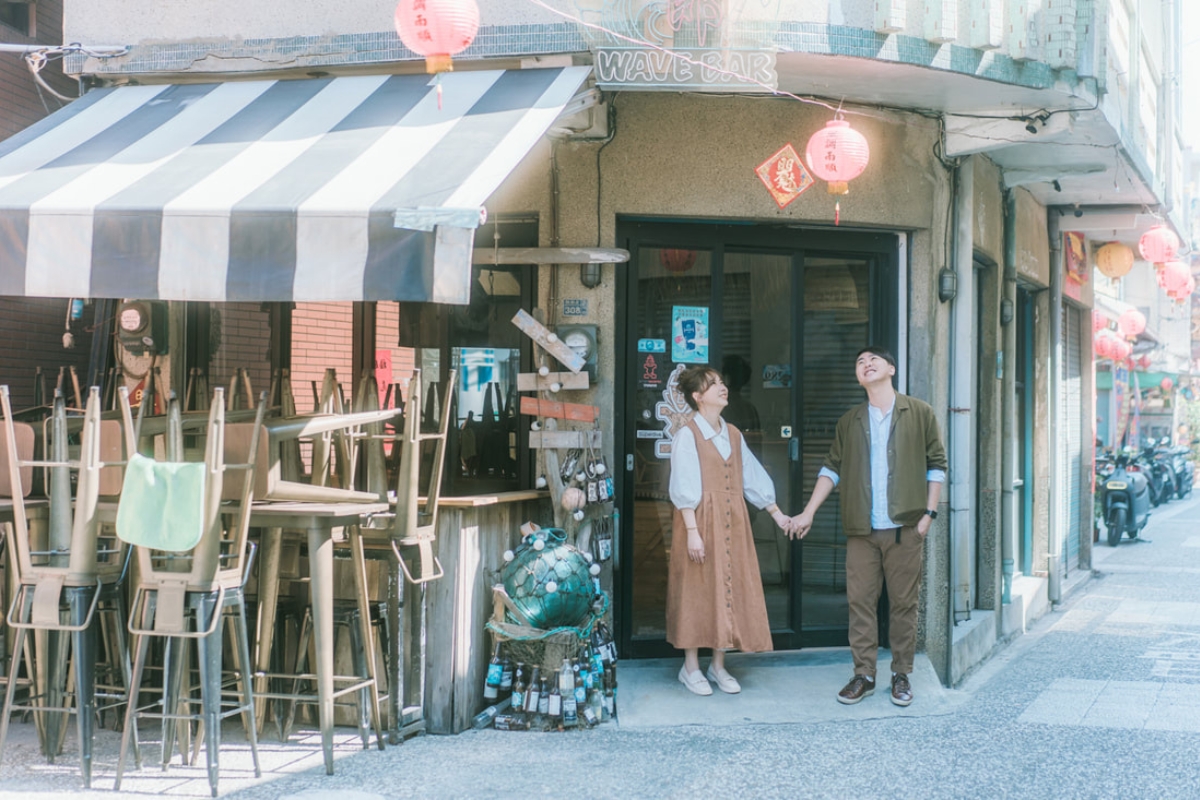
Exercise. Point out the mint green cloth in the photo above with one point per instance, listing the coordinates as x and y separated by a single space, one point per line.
162 504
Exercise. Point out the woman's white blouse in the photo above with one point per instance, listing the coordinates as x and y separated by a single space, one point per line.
686 490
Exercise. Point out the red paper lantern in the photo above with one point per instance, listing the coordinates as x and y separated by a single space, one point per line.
1144 362
1121 350
677 261
1159 244
1167 384
1173 279
838 154
1102 344
1114 260
1099 321
1131 323
437 29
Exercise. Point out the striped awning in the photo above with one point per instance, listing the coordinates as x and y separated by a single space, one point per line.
349 188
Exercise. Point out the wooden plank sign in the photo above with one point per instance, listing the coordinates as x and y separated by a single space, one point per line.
548 341
562 440
533 382
577 412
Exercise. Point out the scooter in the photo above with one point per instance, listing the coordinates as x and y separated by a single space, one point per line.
1126 501
1185 470
1159 473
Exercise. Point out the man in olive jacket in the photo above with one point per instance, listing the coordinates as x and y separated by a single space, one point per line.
888 458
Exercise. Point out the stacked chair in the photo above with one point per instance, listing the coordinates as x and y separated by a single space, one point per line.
68 584
189 524
410 532
334 436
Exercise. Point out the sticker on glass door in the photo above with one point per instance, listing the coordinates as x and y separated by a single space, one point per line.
689 334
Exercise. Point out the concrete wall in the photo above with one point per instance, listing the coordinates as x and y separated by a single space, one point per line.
676 156
138 22
1033 243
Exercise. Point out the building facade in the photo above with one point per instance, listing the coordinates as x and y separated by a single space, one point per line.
1007 141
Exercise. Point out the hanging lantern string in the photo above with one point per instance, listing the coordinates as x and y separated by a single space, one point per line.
686 59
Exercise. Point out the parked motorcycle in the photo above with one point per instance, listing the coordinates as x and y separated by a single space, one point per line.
1160 474
1126 500
1185 470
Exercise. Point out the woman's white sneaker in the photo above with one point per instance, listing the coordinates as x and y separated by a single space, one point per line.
724 681
694 682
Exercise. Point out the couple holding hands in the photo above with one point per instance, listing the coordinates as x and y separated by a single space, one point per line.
888 459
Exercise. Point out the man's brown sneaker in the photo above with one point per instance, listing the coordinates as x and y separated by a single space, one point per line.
902 693
858 688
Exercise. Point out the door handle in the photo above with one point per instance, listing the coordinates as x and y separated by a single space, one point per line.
794 448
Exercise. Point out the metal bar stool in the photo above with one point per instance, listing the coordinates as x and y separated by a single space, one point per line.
67 588
190 530
411 533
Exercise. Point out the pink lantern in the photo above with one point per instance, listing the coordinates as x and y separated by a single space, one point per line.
1144 362
1131 323
1102 344
1099 322
1187 289
1159 244
1122 350
1167 384
1173 279
437 29
1114 260
838 154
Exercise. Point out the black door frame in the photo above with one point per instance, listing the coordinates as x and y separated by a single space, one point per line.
879 248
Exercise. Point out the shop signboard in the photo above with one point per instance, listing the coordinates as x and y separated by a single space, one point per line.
700 45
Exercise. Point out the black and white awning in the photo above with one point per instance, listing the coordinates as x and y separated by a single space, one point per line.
349 188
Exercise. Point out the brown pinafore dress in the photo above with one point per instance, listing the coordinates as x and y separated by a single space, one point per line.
719 603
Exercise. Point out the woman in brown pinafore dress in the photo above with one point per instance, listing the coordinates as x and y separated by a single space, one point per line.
714 592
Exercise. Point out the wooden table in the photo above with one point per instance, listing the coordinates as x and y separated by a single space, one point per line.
318 521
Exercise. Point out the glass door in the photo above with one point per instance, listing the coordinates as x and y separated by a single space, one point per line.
780 314
674 287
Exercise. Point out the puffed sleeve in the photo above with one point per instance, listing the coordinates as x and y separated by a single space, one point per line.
756 483
685 470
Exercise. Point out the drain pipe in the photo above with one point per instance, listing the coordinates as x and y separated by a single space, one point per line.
962 392
958 423
1009 530
1054 533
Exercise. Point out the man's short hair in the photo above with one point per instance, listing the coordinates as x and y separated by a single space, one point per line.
876 350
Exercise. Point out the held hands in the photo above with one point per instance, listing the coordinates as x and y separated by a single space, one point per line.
800 525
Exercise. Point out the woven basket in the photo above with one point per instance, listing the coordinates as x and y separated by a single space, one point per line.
546 652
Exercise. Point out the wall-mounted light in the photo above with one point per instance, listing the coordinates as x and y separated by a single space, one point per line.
947 284
1057 186
1006 311
589 275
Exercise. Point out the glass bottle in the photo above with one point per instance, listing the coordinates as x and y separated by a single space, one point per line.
580 679
554 707
610 692
491 686
566 687
543 706
532 695
506 675
518 688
